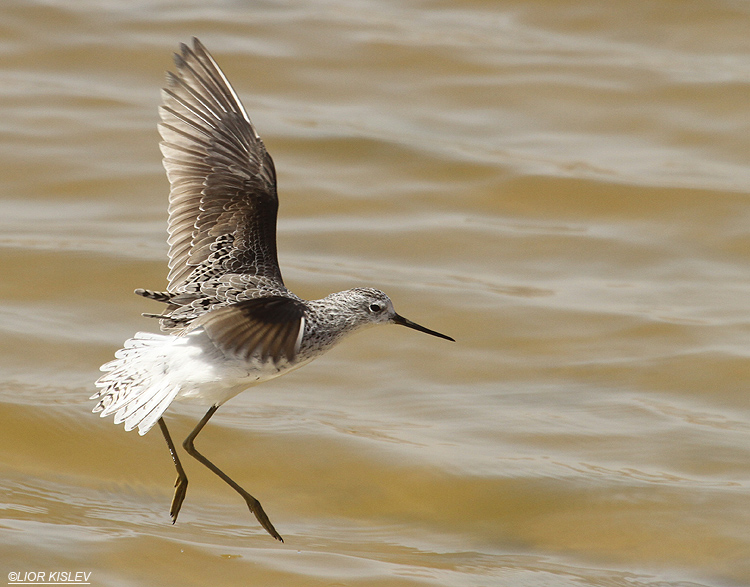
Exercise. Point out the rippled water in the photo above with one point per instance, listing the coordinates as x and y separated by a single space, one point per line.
563 187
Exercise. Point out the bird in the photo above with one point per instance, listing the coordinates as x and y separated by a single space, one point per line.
228 321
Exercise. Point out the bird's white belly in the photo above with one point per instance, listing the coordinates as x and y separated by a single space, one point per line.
153 370
207 376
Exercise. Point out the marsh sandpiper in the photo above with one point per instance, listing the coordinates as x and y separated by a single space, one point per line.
229 322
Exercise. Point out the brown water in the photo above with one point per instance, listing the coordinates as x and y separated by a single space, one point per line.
561 186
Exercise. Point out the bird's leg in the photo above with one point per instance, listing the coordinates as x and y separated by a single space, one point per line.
252 503
182 481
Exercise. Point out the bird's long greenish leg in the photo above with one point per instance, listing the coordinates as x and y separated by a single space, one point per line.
252 503
180 485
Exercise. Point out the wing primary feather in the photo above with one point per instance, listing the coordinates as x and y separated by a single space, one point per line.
223 78
223 201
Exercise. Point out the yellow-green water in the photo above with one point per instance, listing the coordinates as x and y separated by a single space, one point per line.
562 187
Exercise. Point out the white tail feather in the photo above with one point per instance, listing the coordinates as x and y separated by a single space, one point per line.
137 386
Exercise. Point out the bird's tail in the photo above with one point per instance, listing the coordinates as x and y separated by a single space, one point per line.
136 386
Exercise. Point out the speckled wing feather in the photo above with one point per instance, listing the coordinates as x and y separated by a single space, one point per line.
263 328
223 202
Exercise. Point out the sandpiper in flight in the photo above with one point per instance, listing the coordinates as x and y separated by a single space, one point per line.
229 321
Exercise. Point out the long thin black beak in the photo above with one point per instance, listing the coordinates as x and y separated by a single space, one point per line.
400 320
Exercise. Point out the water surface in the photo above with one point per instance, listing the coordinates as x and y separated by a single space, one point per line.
562 187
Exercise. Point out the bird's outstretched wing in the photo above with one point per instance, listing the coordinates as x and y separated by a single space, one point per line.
223 202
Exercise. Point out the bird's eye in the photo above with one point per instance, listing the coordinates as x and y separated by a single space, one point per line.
376 308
